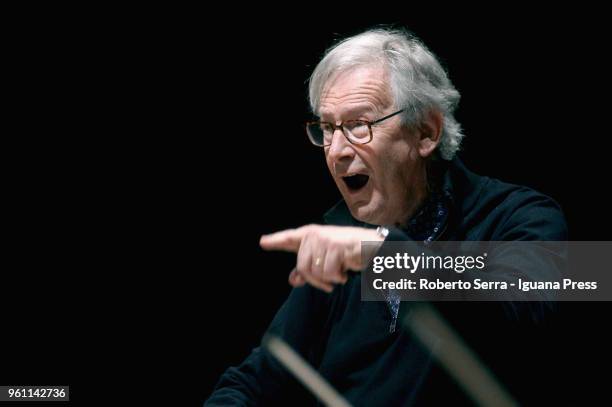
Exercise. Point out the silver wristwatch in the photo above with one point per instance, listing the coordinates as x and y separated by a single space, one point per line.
382 232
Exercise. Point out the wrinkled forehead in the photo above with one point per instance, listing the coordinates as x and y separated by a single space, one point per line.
364 88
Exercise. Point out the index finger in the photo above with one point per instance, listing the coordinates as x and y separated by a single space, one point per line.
287 240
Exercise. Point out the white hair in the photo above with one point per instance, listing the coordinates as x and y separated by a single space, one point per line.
417 80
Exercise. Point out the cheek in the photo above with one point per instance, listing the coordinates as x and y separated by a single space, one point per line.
395 167
396 157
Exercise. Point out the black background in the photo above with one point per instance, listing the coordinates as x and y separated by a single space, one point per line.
148 150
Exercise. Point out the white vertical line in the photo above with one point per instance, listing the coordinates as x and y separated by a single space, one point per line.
300 368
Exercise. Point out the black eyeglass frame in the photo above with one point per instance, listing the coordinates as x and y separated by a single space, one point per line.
341 127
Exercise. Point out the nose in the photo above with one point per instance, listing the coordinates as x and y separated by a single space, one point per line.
340 148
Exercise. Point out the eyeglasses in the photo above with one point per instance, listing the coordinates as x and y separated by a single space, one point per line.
355 131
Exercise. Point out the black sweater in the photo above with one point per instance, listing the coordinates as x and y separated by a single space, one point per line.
348 340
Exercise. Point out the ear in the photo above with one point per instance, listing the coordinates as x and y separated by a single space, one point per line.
430 132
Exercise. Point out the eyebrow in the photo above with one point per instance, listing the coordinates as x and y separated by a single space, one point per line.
353 111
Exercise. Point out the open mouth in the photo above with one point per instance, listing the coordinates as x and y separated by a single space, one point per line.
356 182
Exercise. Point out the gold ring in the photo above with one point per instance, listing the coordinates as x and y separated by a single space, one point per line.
317 261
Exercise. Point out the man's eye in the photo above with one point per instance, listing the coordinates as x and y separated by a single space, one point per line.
326 128
358 129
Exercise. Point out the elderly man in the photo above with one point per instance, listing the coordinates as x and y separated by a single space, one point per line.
386 127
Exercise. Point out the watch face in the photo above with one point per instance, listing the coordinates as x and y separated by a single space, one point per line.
382 231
